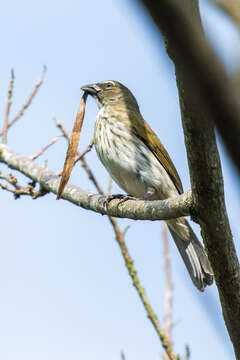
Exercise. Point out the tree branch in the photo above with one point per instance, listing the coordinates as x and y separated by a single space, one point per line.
9 103
169 286
203 71
28 102
205 95
132 209
166 343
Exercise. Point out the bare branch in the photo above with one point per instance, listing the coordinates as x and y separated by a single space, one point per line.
141 292
169 286
10 179
80 156
43 149
188 353
203 72
132 209
63 131
17 190
205 95
6 124
123 355
28 102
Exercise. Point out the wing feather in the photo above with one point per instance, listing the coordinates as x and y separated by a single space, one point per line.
150 139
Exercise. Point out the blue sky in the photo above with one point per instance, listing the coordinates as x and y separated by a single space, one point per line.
65 292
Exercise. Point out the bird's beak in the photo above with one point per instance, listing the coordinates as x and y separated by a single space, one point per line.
92 89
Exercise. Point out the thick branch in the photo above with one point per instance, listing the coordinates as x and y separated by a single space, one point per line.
204 72
132 209
198 71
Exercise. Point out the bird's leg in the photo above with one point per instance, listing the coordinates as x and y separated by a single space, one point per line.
122 198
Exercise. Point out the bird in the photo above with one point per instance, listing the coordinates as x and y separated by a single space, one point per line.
137 161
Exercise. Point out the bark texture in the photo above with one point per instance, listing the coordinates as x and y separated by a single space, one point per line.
132 209
181 27
204 99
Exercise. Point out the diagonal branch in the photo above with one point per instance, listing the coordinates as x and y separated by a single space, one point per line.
9 103
141 292
28 102
169 286
205 96
203 71
44 148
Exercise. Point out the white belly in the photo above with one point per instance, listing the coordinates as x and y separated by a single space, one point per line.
130 162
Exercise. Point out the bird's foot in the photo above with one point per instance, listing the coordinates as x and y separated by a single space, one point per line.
122 198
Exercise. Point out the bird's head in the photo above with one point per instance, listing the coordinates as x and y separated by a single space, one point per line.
111 93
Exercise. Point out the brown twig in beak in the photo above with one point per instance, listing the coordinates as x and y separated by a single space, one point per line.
73 146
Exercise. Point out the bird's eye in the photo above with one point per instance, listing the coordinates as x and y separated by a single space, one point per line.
108 85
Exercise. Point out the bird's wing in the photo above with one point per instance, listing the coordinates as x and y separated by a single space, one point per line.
150 139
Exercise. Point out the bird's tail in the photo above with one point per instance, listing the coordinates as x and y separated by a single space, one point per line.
192 252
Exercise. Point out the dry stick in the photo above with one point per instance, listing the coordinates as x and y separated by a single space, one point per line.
28 102
44 148
130 265
83 162
10 91
73 146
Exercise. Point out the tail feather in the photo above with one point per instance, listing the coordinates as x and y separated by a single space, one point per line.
193 255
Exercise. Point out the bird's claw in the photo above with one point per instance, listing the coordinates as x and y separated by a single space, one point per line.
122 198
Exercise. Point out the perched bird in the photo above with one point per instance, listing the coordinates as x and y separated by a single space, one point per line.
137 161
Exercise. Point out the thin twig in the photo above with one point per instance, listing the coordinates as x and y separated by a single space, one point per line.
10 179
141 292
89 148
188 353
91 175
169 286
28 102
63 131
9 103
123 357
44 148
130 266
17 190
